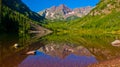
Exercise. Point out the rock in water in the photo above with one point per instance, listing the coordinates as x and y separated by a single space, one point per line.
116 43
15 45
31 53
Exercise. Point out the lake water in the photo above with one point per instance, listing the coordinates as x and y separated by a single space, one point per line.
57 50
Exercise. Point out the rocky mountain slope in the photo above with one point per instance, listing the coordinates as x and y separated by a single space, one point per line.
104 17
63 12
106 7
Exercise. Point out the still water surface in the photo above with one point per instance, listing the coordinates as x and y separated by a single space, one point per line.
57 50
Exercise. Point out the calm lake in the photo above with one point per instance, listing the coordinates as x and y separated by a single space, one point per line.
57 50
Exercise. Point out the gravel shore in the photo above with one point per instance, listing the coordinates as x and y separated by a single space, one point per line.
109 63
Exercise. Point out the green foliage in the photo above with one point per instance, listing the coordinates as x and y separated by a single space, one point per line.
106 23
71 18
13 21
19 6
57 26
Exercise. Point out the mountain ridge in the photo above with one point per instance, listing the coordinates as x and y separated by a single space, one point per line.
63 12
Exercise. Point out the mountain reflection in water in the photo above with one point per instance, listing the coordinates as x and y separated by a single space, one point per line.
58 50
43 60
62 50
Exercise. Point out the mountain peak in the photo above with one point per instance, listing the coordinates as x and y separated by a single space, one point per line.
63 12
62 5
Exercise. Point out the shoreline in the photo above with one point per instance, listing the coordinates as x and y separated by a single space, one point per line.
108 63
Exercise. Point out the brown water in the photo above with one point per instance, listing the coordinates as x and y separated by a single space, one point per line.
57 50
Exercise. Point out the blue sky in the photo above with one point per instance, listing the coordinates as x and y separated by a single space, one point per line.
38 5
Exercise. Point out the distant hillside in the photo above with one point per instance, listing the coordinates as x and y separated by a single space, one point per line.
16 17
63 12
